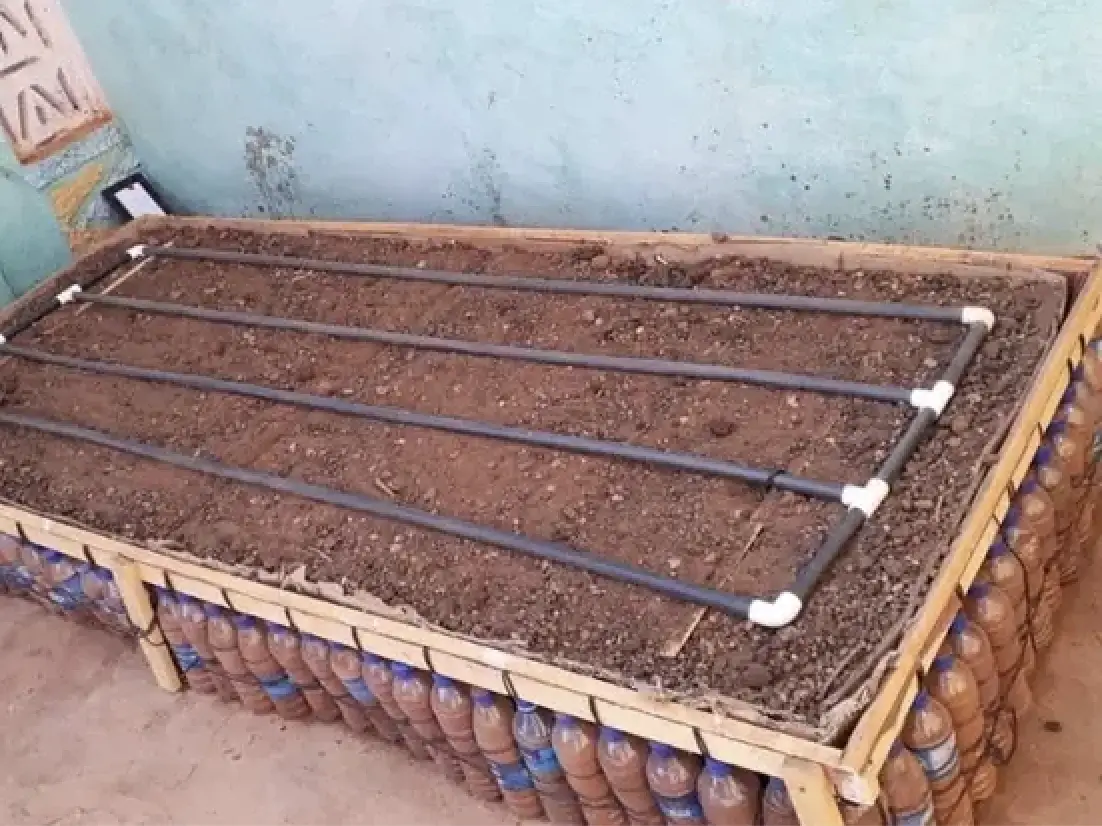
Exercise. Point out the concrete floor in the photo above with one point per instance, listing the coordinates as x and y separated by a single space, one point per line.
103 744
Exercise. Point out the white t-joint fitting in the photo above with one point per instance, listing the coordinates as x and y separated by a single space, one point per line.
68 295
3 339
137 251
935 398
776 614
977 315
866 498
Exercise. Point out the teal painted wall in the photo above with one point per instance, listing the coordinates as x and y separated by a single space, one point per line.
32 245
961 122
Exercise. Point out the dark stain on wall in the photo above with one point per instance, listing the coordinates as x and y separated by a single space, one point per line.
269 162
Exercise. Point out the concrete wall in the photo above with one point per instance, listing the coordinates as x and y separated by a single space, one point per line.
946 121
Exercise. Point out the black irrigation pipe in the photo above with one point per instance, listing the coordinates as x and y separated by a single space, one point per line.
559 358
731 603
689 462
724 298
920 427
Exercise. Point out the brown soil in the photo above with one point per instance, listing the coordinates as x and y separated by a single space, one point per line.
691 527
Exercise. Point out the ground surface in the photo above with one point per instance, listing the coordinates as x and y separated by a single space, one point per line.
88 738
695 528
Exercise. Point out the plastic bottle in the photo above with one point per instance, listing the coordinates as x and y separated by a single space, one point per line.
672 777
413 694
1003 569
952 684
193 622
776 805
1091 367
532 730
35 565
492 725
1030 547
990 608
623 759
223 639
286 649
187 658
452 707
729 796
66 585
906 789
347 666
103 593
16 576
252 641
380 679
575 744
928 732
1056 464
315 656
856 814
969 642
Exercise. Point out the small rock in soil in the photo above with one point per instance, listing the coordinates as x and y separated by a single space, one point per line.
960 423
721 428
756 675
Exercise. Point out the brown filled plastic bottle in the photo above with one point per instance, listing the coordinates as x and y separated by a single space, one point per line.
1003 569
969 642
1092 375
952 683
532 732
379 678
928 733
990 608
16 576
452 706
492 725
252 641
102 592
672 776
906 788
1055 464
193 622
315 656
413 694
1029 547
857 814
223 639
286 648
191 665
623 759
729 796
34 563
347 665
776 805
575 744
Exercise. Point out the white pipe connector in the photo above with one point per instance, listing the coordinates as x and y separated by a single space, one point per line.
866 498
137 251
776 614
977 315
68 295
935 398
3 339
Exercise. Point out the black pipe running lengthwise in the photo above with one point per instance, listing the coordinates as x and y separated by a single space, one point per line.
730 603
678 295
690 462
924 421
558 358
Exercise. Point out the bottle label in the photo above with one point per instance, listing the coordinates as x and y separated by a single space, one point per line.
359 691
69 595
187 657
686 807
20 578
918 817
939 761
1096 447
541 761
511 777
279 688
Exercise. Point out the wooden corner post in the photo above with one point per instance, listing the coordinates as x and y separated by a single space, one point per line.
812 793
140 610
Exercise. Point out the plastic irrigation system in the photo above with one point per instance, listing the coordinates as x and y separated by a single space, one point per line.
861 501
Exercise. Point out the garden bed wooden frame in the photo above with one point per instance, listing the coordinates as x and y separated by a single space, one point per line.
814 772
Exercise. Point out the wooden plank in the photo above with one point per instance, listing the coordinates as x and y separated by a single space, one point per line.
812 793
880 720
140 610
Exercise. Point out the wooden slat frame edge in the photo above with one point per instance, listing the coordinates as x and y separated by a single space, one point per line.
883 719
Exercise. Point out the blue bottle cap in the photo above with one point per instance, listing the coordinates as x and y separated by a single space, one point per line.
187 599
1013 516
565 719
922 700
979 590
482 697
959 624
896 748
244 621
525 706
372 659
1043 456
1069 394
613 735
661 749
440 681
52 557
1029 485
998 548
213 610
716 768
943 662
1078 372
401 670
1056 428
